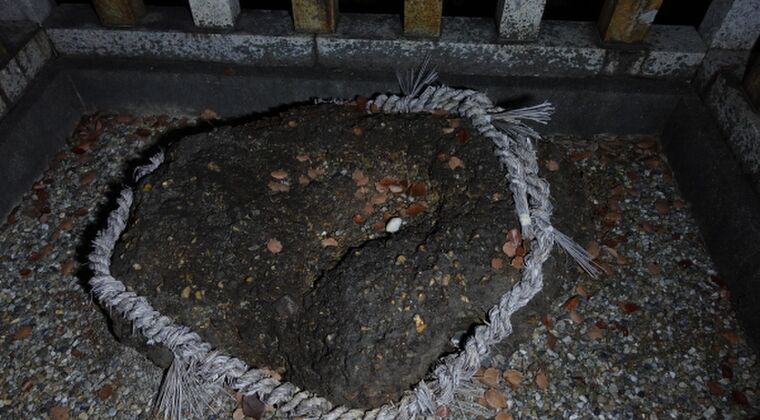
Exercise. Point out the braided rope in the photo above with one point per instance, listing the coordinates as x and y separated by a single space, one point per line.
198 371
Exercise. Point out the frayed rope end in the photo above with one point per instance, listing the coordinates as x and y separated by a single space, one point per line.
578 253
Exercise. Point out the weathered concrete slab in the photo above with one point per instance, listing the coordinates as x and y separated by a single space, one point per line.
422 18
739 122
264 38
31 10
627 20
215 13
119 12
472 46
723 202
467 45
28 141
315 16
23 65
752 81
731 24
667 52
716 61
519 20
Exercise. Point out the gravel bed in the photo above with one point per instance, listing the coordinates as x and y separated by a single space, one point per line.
656 337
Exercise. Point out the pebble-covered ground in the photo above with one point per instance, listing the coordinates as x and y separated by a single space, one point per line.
654 338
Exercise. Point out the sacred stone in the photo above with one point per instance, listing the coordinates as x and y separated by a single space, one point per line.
271 240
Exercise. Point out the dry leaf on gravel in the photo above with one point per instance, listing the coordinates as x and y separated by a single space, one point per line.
279 174
489 376
541 380
513 377
495 399
594 332
329 242
359 178
552 165
274 246
455 162
278 187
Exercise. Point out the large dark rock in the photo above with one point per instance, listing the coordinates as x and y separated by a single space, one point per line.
359 322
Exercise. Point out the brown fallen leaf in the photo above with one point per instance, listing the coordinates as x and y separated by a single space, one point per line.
208 114
730 336
662 206
59 412
359 178
238 414
315 173
552 165
278 187
581 290
455 162
518 262
571 303
739 398
304 180
509 249
25 272
302 157
67 267
541 380
576 317
515 237
442 411
594 332
87 178
66 224
329 242
715 388
23 332
513 377
547 321
105 391
279 174
503 415
580 155
593 249
489 376
358 219
253 407
274 246
497 263
415 209
495 399
628 307
378 199
653 268
551 340
357 131
418 189
396 189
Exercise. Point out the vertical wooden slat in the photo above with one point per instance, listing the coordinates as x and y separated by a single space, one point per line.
519 20
315 16
119 12
423 17
752 81
627 20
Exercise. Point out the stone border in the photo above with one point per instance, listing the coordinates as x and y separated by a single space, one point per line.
467 45
23 66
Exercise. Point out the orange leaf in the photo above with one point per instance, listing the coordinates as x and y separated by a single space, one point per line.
513 377
497 263
418 189
415 209
629 307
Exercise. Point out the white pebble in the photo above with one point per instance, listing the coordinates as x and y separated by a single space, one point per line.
393 225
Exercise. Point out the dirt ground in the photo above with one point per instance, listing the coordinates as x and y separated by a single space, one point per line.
270 239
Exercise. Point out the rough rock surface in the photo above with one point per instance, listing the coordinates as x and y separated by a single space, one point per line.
268 239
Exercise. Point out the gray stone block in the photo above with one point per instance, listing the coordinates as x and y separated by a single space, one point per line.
723 202
739 122
215 13
262 38
32 10
731 24
519 20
